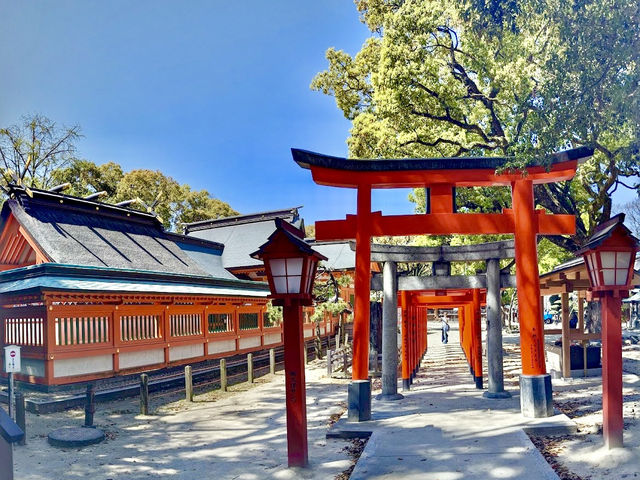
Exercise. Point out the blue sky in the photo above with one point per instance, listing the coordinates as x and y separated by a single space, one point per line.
211 93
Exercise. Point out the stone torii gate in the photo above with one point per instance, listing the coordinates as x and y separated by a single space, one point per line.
441 177
441 283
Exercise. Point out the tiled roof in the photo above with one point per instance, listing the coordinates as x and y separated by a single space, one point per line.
71 230
242 236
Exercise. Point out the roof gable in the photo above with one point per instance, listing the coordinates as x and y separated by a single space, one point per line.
70 230
242 235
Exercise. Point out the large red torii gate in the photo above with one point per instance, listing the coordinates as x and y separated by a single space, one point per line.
441 176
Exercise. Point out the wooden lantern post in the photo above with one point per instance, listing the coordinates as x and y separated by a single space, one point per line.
609 256
290 266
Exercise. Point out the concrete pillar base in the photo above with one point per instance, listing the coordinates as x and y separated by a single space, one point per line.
536 396
389 397
503 394
406 384
478 382
359 400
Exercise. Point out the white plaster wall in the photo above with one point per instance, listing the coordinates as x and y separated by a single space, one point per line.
248 342
140 358
186 351
554 361
68 367
221 346
32 366
271 338
308 332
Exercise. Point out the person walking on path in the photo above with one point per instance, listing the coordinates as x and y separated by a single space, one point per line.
445 329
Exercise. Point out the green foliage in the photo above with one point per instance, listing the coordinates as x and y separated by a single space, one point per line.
200 205
33 149
152 191
273 315
326 294
334 308
488 77
87 178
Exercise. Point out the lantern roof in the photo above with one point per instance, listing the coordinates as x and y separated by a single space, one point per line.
285 231
607 230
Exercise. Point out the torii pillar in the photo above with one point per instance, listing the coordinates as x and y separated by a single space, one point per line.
535 382
495 373
359 393
390 333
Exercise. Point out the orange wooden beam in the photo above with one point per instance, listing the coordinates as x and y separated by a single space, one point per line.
420 178
443 224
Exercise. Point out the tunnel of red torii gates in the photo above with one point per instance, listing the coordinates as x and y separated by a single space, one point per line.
440 177
416 295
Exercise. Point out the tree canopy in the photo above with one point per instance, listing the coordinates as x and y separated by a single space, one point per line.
32 149
521 78
38 153
150 190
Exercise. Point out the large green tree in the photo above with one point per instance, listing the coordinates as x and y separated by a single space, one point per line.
152 191
521 78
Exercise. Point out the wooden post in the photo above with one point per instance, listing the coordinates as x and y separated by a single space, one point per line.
362 283
90 405
272 361
477 339
612 425
223 374
528 279
304 352
566 335
20 416
585 343
250 367
297 446
329 363
406 371
11 392
144 394
188 383
345 362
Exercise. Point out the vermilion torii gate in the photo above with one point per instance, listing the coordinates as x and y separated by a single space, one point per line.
440 177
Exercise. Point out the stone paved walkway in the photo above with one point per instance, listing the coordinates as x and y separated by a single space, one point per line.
444 429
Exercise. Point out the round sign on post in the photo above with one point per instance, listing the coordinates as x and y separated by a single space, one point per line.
12 359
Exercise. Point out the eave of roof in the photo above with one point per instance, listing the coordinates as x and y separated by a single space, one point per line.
241 219
577 262
63 201
306 159
142 277
178 237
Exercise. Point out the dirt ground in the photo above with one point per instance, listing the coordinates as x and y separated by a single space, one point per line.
583 456
240 434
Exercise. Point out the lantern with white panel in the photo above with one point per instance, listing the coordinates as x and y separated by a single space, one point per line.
290 265
609 256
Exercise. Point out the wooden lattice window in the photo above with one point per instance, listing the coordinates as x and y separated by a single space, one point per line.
247 321
219 322
139 327
185 324
81 330
24 331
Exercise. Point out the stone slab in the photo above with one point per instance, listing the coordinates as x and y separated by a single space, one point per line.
75 436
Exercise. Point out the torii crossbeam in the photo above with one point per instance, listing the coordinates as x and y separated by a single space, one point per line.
441 176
